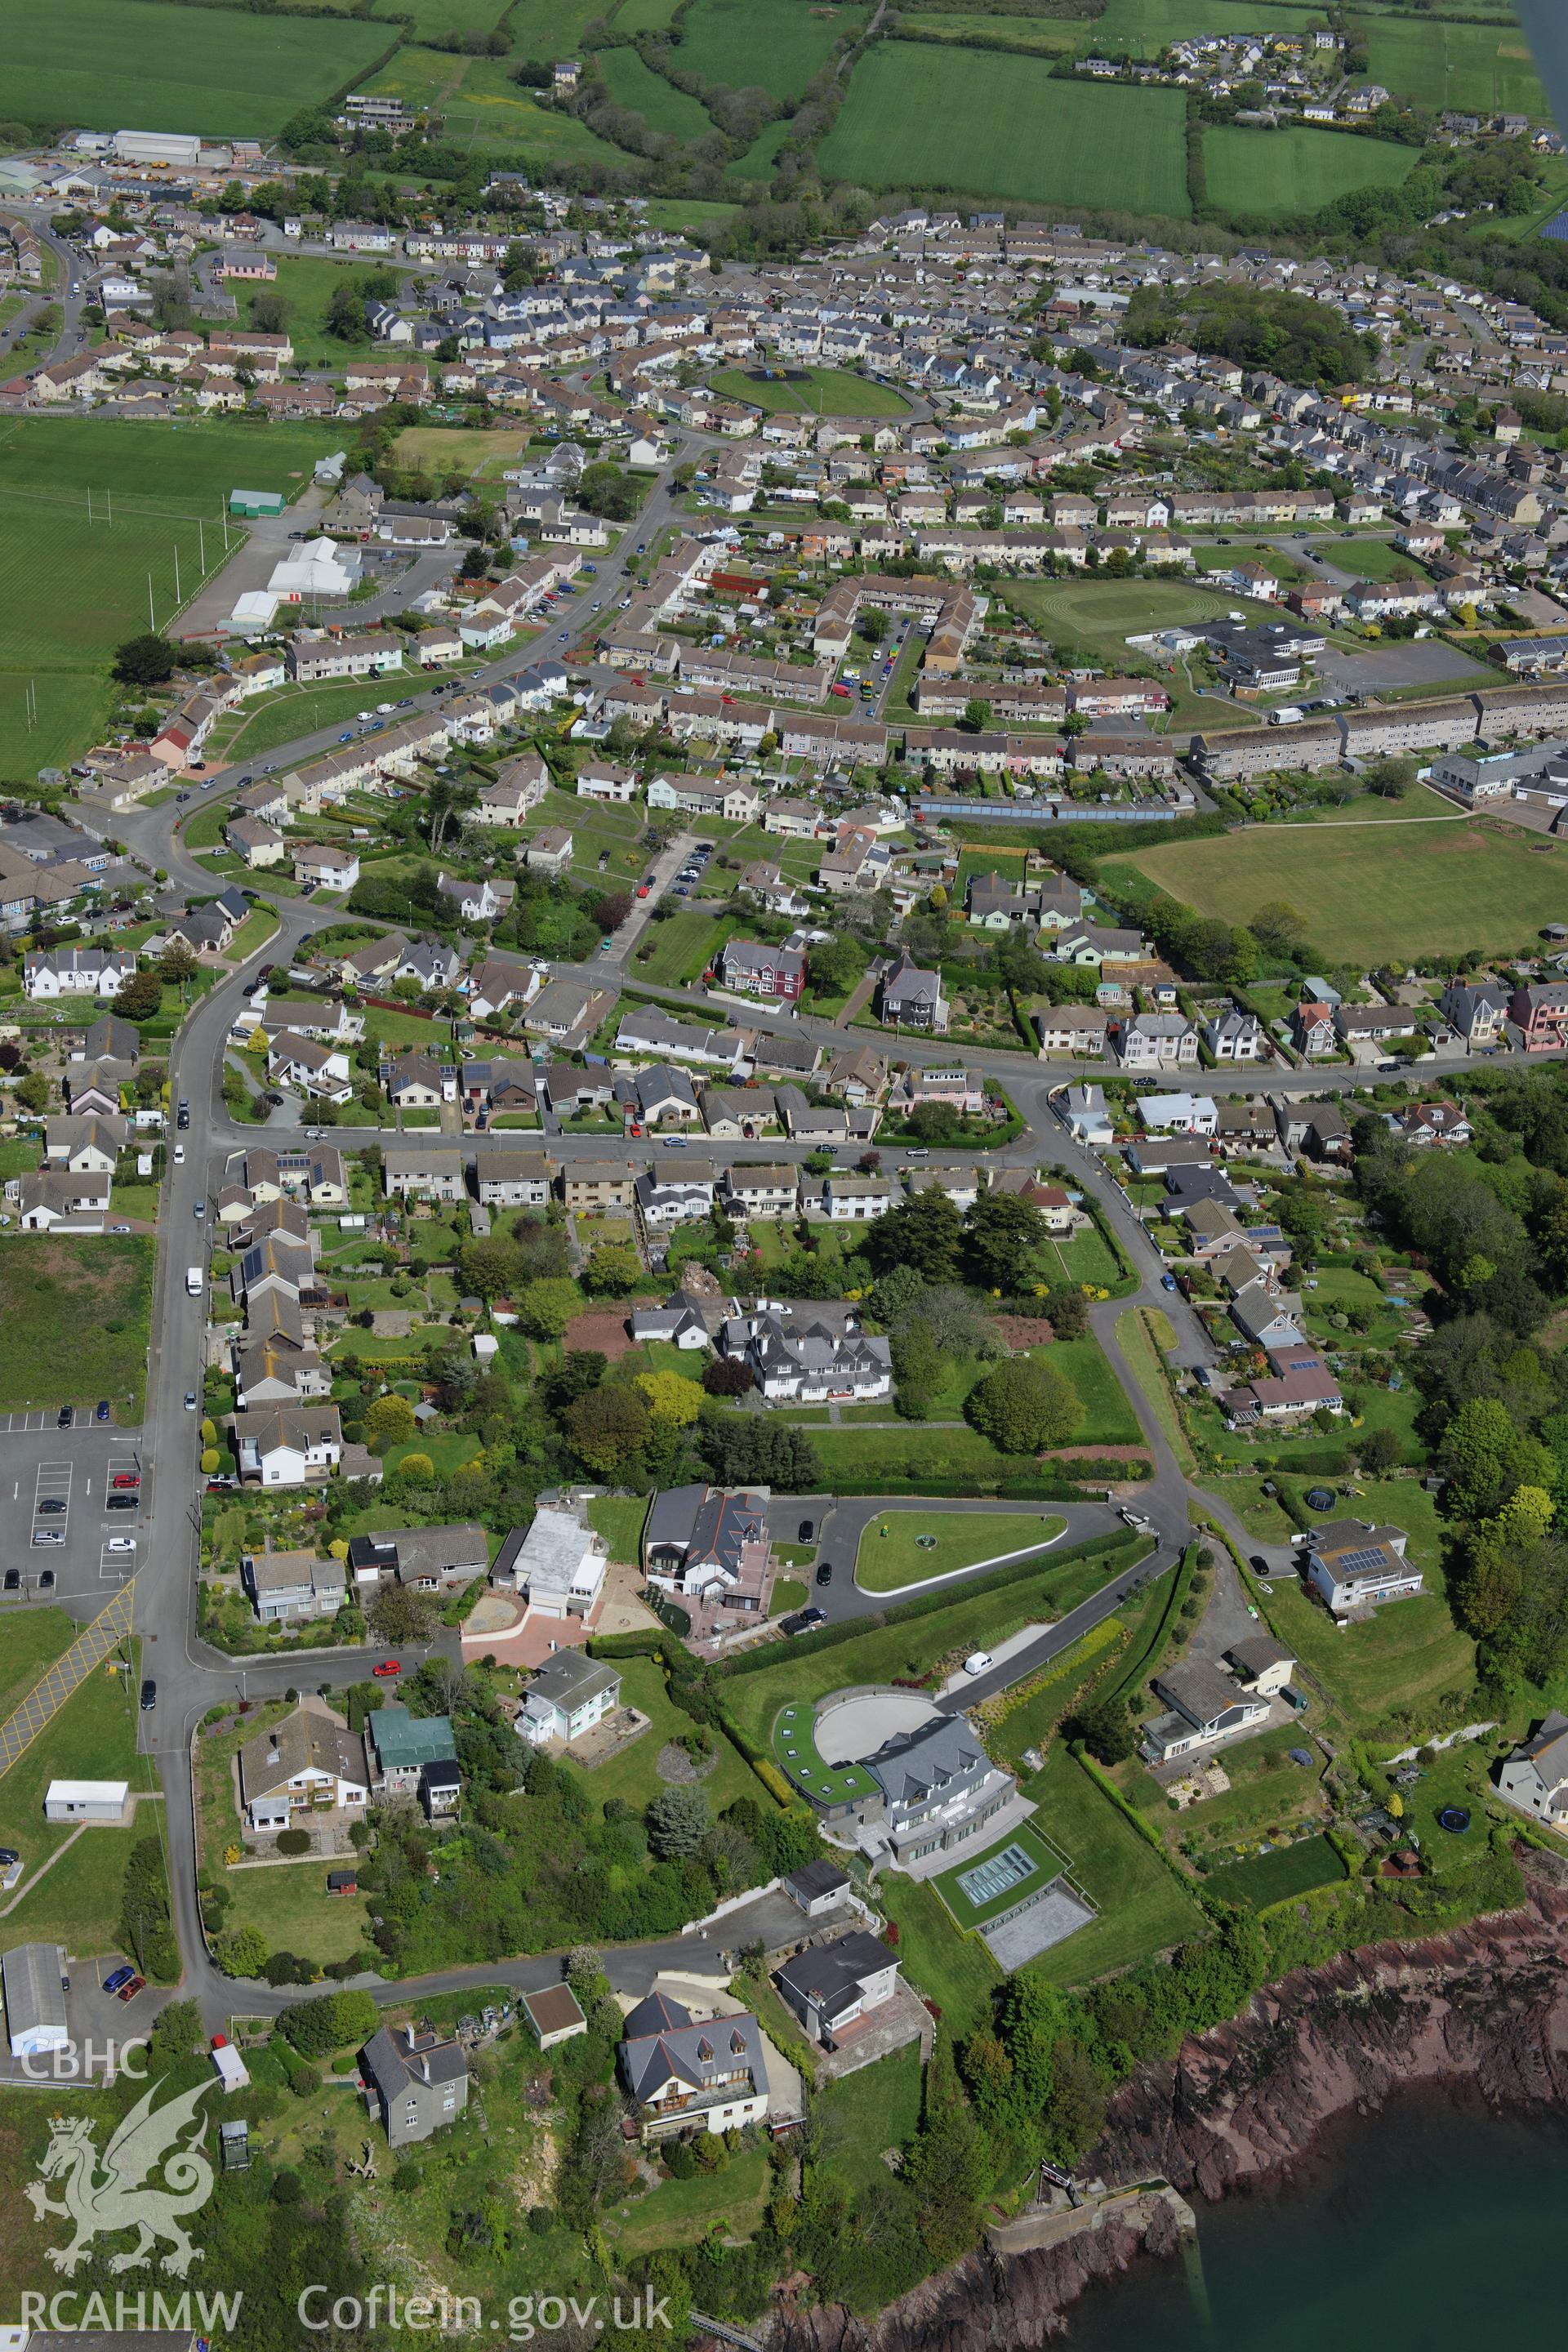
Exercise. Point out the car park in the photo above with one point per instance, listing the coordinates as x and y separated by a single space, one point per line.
13 1579
49 1535
129 1991
51 1507
123 1478
120 1543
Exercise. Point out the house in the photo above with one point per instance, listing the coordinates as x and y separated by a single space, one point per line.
512 1178
810 1353
285 1586
762 1189
1312 1030
54 1201
1205 1707
1351 1565
1085 1112
308 1066
748 969
567 1013
568 1695
415 1081
1539 1011
401 1744
76 971
1269 1318
831 1986
555 2015
684 2076
710 1545
909 998
1155 1041
289 1446
558 1565
1534 1777
597 1185
325 866
1478 1011
1178 1114
88 1146
1439 1122
474 902
1080 1029
549 851
422 1559
415 2081
309 1763
1260 1664
852 1199
431 1172
1235 1036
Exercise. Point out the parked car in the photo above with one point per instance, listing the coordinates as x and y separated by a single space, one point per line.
979 1662
120 1543
1167 1282
122 1976
808 1532
190 1400
47 1576
129 1991
387 1667
100 1410
824 1572
124 1478
64 1418
13 1579
802 1620
51 1507
149 1693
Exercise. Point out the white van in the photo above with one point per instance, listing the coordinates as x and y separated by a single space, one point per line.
979 1662
194 1281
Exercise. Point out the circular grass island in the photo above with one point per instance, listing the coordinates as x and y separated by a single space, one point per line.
809 391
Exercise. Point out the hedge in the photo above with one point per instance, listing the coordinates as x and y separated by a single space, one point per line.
1018 1488
1153 1643
1107 1786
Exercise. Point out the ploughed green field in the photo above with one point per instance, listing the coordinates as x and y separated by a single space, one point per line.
1423 889
811 391
779 45
115 65
167 487
1475 69
663 108
1298 169
983 122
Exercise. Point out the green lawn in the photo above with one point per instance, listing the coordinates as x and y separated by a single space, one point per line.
682 948
1429 890
976 123
1274 1878
1100 614
91 1737
682 2212
307 283
1108 1419
1296 169
859 2114
287 1901
30 1640
224 73
778 43
619 1520
664 109
760 158
75 1317
1472 68
633 1774
810 391
955 1970
974 1916
910 1548
1142 1909
974 1619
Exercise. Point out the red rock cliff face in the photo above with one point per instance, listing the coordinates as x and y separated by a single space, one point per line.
1486 2005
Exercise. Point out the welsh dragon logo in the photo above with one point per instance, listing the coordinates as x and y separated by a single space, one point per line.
98 2202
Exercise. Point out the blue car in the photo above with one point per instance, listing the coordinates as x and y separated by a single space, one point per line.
1167 1282
120 1977
346 738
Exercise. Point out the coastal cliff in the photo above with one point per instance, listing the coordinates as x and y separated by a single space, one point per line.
1485 2006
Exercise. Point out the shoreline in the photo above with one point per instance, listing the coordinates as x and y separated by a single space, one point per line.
1482 2008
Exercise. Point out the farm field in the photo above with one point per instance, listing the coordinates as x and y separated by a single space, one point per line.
973 120
778 43
133 64
1478 67
1296 170
74 1317
763 154
638 15
481 106
160 481
1141 28
826 392
1429 887
631 83
540 29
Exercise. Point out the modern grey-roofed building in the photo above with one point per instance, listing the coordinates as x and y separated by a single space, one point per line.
416 2081
1204 1706
1535 1777
568 1695
710 1543
34 1980
831 1985
426 1560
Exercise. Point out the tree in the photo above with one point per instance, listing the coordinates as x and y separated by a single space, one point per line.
176 962
670 1398
1392 778
677 1821
346 319
607 1426
1024 1405
727 1376
488 1267
1003 1239
415 1470
1068 1312
917 1369
873 626
242 1953
139 997
613 1269
610 910
1277 927
1378 1450
923 1232
1105 1728
316 2027
32 1092
976 715
548 1305
398 1617
606 491
388 1422
147 660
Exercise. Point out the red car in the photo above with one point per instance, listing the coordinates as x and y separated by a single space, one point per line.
836 688
387 1667
123 1478
642 889
129 1991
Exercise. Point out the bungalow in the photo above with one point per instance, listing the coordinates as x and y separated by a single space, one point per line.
1206 1705
56 1201
309 1763
416 1081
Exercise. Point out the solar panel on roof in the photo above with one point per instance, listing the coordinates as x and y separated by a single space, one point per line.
1360 1562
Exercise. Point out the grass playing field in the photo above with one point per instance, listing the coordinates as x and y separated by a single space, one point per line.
1296 170
812 391
663 108
1421 887
1100 616
779 45
892 1553
1478 67
988 124
132 64
166 487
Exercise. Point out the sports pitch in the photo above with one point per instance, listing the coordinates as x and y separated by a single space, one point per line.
811 391
1372 894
